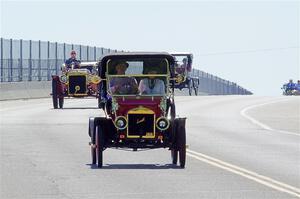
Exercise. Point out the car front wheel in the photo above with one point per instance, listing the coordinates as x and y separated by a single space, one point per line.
174 156
99 145
61 102
181 141
54 93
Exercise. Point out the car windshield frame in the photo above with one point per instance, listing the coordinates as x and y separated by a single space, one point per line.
139 76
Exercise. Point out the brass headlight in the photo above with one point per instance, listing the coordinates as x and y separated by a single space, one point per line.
162 123
64 78
180 78
95 79
121 122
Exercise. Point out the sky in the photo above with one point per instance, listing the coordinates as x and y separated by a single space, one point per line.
253 43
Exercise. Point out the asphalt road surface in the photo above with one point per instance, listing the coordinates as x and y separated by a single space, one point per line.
239 147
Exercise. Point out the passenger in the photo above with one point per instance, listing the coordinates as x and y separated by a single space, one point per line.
72 60
152 85
181 69
298 86
123 85
291 85
184 68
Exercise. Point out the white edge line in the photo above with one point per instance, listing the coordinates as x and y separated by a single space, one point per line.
244 170
254 178
264 126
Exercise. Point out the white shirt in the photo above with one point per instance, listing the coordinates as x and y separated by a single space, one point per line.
154 86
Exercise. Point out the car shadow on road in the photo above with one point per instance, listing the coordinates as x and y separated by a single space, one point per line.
77 108
136 166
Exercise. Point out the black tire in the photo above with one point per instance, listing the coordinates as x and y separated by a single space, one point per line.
172 111
54 94
190 86
61 102
99 97
99 102
181 142
92 135
196 86
196 91
93 153
100 145
174 156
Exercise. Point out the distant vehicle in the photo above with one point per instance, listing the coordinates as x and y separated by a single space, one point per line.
138 90
183 73
291 88
77 80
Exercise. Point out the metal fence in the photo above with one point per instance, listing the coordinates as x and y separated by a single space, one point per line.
214 85
27 60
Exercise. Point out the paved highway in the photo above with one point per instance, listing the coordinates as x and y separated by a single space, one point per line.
239 147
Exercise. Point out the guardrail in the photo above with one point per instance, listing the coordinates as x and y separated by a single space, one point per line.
27 60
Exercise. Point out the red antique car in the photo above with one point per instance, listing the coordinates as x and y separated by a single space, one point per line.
81 80
137 95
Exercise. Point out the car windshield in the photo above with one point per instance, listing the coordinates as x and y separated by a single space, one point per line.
90 68
146 77
181 63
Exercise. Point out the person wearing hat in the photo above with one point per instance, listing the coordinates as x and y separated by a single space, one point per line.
72 60
152 85
181 69
123 85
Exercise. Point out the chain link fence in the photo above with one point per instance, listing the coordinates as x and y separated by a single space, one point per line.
27 60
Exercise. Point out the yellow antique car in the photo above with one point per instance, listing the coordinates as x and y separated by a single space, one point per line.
80 80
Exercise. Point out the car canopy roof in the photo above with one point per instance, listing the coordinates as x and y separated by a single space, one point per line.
88 63
132 55
181 54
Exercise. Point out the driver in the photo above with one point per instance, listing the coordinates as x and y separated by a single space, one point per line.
181 69
72 60
123 85
152 85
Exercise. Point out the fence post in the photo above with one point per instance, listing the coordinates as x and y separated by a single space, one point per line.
30 62
95 53
234 88
21 61
216 85
10 74
228 87
39 66
2 68
87 53
207 83
102 51
80 52
48 61
56 59
222 87
212 85
64 51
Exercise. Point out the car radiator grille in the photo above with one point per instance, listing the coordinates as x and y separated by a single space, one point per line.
141 125
78 82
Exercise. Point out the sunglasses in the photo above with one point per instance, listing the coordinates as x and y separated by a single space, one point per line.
73 53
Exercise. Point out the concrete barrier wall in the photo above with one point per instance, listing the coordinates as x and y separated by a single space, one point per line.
42 89
24 90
